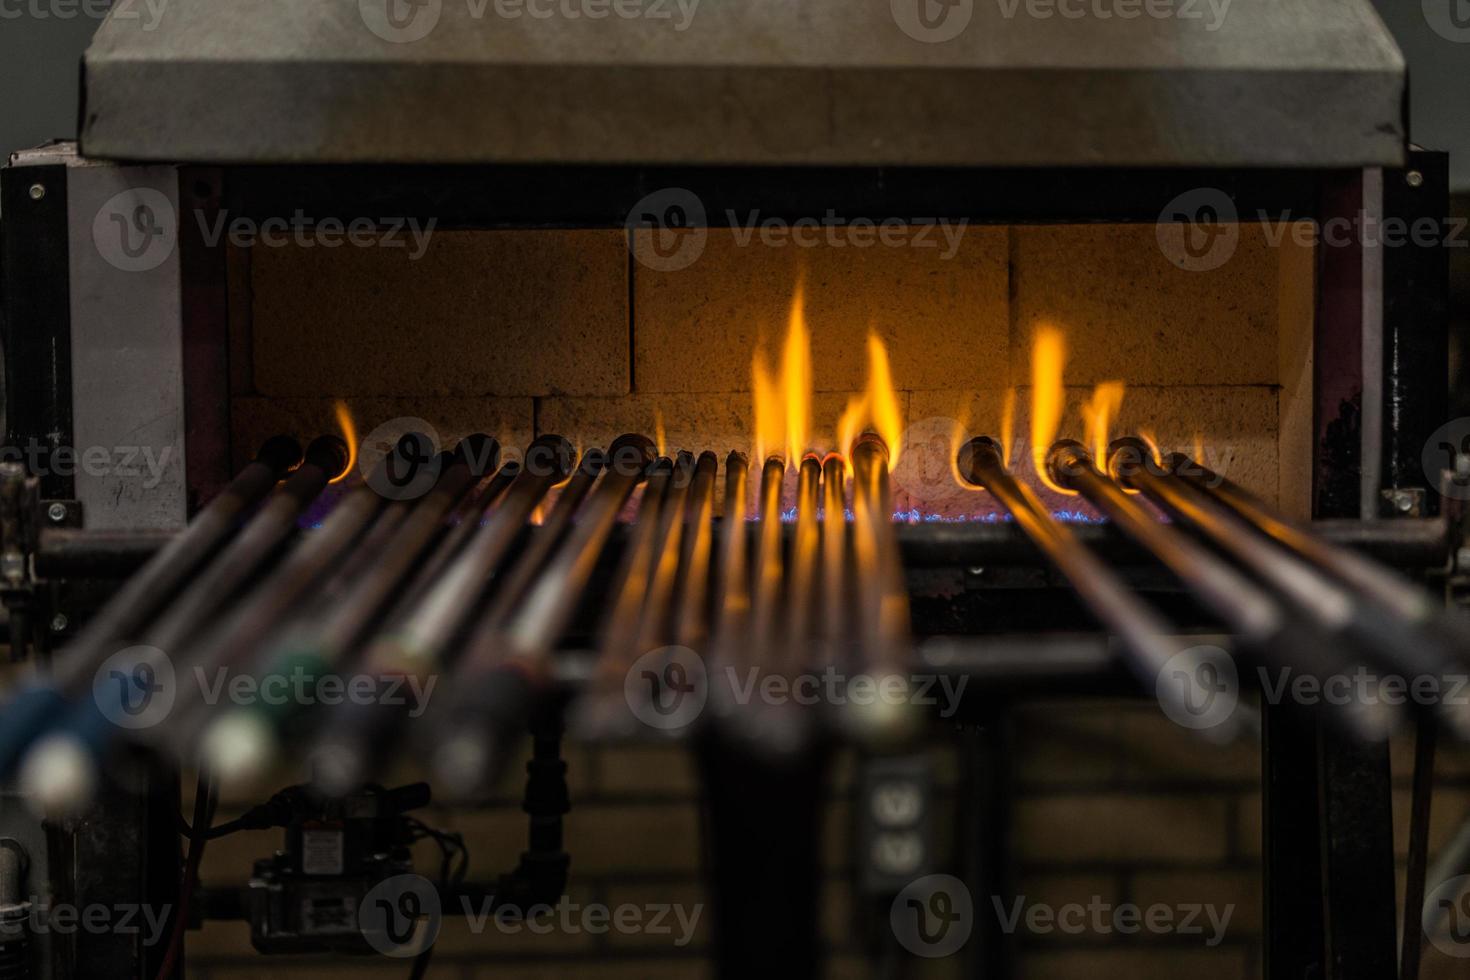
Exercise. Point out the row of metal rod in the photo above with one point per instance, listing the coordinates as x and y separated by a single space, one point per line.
448 593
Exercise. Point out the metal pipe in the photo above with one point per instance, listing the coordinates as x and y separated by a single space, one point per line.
1255 616
1147 644
882 598
835 562
691 625
240 745
357 735
732 580
802 585
1386 618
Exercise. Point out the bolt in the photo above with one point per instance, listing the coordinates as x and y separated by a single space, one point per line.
57 512
38 191
1414 178
59 623
976 570
1403 501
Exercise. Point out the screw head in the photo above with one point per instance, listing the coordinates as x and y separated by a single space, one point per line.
57 512
1414 178
1403 502
59 623
37 191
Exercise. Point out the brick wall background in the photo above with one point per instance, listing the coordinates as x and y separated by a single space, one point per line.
526 332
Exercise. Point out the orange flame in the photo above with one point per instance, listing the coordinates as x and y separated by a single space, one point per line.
849 425
349 436
1152 441
769 414
1008 425
658 432
1199 447
886 416
783 401
1098 413
1048 359
796 381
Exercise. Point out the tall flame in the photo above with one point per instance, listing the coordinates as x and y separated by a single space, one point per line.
1008 425
1098 413
796 380
886 416
659 436
1048 359
850 425
770 415
1199 447
349 436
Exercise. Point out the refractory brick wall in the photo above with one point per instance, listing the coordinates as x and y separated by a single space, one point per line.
522 332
